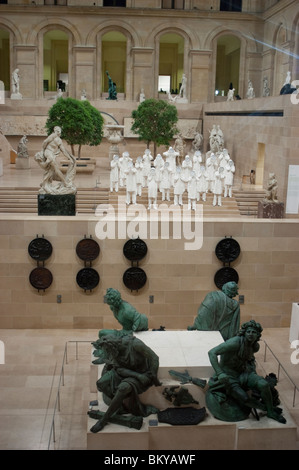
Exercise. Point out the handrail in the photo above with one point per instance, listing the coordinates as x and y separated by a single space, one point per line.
61 382
280 366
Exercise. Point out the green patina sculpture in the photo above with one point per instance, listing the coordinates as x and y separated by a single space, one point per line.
229 396
112 93
126 315
219 312
130 368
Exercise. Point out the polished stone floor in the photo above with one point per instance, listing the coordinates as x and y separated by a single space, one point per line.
33 373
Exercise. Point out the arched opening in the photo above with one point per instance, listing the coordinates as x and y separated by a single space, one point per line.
171 63
227 64
56 63
5 59
114 52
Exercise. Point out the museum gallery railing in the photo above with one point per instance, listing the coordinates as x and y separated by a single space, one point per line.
52 436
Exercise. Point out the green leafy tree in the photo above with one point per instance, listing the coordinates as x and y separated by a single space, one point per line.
81 123
155 121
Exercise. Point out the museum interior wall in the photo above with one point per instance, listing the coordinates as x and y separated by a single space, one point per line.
178 279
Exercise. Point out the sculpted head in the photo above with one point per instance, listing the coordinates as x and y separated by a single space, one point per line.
230 289
113 297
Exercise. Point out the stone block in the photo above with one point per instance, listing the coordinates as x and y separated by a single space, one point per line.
270 210
56 204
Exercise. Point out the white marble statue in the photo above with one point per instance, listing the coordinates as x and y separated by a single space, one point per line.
123 166
223 158
229 171
47 159
266 88
139 174
192 191
288 79
211 167
183 89
218 187
166 181
179 146
178 187
197 142
114 173
147 163
202 184
171 155
231 95
159 165
141 96
250 91
152 189
131 183
15 79
197 161
186 168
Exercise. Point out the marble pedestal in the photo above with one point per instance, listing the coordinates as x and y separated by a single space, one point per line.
22 163
181 350
270 210
56 204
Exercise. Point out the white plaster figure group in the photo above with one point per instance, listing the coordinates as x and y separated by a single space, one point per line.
165 174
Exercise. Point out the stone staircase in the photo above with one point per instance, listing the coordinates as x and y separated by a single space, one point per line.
229 206
24 200
248 199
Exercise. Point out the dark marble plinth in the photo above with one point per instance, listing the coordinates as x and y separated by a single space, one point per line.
270 210
57 204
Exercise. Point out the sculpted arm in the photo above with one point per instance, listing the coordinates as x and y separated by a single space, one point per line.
229 346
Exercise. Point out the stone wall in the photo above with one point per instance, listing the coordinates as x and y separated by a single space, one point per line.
268 269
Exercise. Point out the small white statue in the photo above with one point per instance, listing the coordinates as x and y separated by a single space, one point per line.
211 167
288 79
152 189
139 175
230 95
250 91
131 183
186 168
166 182
16 81
171 154
229 171
202 185
223 158
218 187
123 166
266 88
197 161
83 95
179 187
147 162
192 191
141 96
183 89
114 173
159 165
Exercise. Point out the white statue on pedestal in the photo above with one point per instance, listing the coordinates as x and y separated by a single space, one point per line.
131 183
266 88
152 189
166 182
211 167
179 187
186 168
141 96
159 165
52 146
114 173
171 156
218 187
197 161
183 89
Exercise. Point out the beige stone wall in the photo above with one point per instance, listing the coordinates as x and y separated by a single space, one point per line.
178 279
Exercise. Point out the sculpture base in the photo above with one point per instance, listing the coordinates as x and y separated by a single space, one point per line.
57 204
16 96
22 163
270 210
